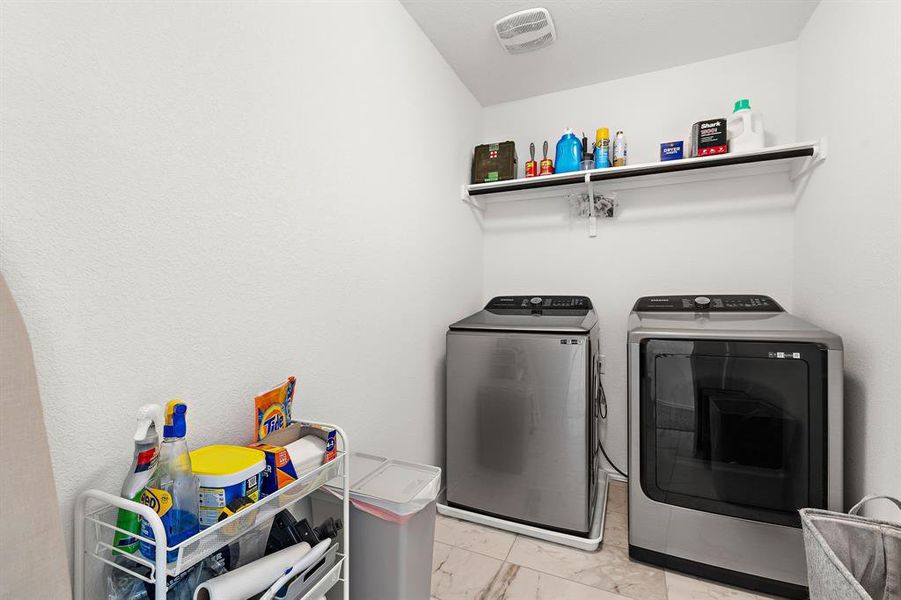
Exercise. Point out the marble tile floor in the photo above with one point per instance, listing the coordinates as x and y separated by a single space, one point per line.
473 562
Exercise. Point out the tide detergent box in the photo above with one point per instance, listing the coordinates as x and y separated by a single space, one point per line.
273 409
279 470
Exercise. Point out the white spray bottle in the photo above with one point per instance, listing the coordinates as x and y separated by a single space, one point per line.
150 420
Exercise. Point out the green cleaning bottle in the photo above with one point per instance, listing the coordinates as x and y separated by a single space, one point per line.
150 416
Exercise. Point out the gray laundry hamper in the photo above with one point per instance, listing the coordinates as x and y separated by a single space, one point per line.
850 557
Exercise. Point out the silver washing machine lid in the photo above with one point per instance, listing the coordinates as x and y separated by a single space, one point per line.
532 314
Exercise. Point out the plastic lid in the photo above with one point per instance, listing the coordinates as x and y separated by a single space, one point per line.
391 480
235 462
743 104
175 426
601 133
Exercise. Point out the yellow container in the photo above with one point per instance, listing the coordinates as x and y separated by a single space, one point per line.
226 473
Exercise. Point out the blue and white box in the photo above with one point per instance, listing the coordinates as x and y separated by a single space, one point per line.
671 150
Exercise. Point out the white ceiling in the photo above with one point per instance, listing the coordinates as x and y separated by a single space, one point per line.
599 40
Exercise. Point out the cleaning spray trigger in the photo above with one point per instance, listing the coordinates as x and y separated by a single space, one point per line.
149 414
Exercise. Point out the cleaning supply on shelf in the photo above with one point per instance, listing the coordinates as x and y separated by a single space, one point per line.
294 451
602 148
225 474
619 150
547 165
671 150
172 490
307 453
587 154
531 165
708 137
569 153
279 471
744 128
150 417
273 409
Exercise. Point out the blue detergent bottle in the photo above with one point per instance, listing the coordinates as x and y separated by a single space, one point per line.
173 489
569 153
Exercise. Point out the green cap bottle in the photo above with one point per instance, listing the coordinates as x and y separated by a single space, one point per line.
743 104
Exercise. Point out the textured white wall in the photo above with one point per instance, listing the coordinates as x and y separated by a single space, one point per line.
728 236
200 201
848 225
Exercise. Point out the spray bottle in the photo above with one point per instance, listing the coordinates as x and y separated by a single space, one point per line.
172 490
150 417
602 148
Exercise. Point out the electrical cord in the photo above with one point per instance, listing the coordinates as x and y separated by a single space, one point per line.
603 414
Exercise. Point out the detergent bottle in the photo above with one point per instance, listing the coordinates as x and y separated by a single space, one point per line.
173 489
569 153
143 464
744 128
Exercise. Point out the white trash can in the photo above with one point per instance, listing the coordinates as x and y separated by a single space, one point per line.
392 528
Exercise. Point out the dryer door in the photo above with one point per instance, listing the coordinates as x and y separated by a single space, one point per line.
733 427
518 427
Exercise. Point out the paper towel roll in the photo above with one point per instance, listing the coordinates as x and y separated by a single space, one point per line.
306 453
252 578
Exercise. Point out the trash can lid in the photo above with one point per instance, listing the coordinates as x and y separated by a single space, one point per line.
396 481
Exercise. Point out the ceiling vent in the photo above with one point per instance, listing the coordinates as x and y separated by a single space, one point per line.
525 31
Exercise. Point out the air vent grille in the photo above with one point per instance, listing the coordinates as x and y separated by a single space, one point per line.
525 31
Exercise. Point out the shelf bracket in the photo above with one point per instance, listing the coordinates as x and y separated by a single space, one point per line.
467 199
592 218
819 156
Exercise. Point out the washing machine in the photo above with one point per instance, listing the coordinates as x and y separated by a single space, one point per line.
735 423
522 412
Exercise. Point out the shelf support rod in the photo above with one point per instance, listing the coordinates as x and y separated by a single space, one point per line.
819 156
467 199
592 218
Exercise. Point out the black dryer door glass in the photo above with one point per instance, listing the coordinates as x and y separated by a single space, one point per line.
734 428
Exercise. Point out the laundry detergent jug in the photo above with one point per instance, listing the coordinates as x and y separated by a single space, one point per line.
744 128
569 153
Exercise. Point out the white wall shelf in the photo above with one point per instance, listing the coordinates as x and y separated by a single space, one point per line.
790 160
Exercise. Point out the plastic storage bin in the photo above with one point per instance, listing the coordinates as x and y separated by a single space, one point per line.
392 527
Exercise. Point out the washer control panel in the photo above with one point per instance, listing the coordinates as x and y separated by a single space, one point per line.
545 303
708 303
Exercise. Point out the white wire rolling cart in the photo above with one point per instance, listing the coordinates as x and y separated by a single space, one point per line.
95 527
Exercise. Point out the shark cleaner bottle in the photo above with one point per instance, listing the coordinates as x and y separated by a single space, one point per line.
172 490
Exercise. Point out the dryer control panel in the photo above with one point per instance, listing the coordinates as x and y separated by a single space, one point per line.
708 303
539 304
